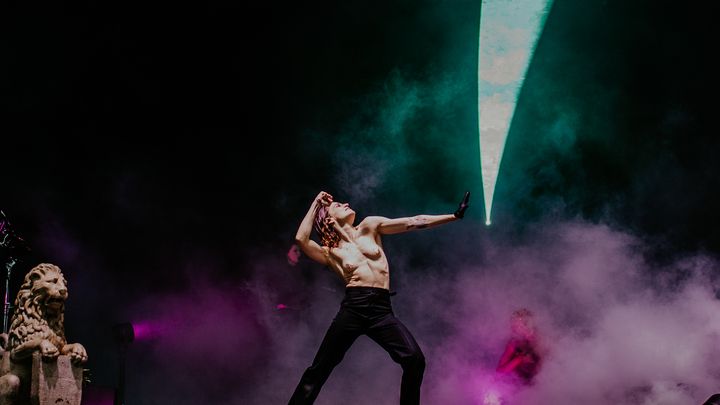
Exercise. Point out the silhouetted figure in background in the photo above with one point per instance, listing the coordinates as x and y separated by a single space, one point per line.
521 356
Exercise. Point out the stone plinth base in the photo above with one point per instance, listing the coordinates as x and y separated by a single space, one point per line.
56 382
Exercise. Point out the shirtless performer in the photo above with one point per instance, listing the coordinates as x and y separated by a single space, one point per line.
355 253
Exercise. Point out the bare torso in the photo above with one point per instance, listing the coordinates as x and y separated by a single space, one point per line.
359 258
361 261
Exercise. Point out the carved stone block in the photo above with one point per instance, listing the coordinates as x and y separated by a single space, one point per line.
38 382
55 382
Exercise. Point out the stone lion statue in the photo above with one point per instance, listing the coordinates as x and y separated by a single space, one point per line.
37 324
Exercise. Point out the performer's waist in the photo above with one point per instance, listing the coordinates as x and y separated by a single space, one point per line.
363 296
362 290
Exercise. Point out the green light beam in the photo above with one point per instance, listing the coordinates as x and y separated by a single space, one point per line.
509 31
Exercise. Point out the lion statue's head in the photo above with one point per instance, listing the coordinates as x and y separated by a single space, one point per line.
39 307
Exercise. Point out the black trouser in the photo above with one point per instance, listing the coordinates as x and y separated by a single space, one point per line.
364 311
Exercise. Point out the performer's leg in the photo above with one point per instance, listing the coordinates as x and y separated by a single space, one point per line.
397 340
343 331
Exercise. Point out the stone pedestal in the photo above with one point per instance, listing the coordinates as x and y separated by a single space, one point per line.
56 382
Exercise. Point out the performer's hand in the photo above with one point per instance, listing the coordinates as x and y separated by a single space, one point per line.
324 198
460 212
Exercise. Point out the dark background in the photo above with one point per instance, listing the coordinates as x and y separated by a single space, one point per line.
146 145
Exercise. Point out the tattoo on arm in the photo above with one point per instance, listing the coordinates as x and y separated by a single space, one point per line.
417 222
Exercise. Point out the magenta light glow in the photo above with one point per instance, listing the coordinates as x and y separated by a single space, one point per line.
149 330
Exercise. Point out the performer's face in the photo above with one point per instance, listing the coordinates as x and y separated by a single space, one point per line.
341 212
522 326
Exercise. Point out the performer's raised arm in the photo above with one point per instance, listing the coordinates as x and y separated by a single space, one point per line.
311 248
